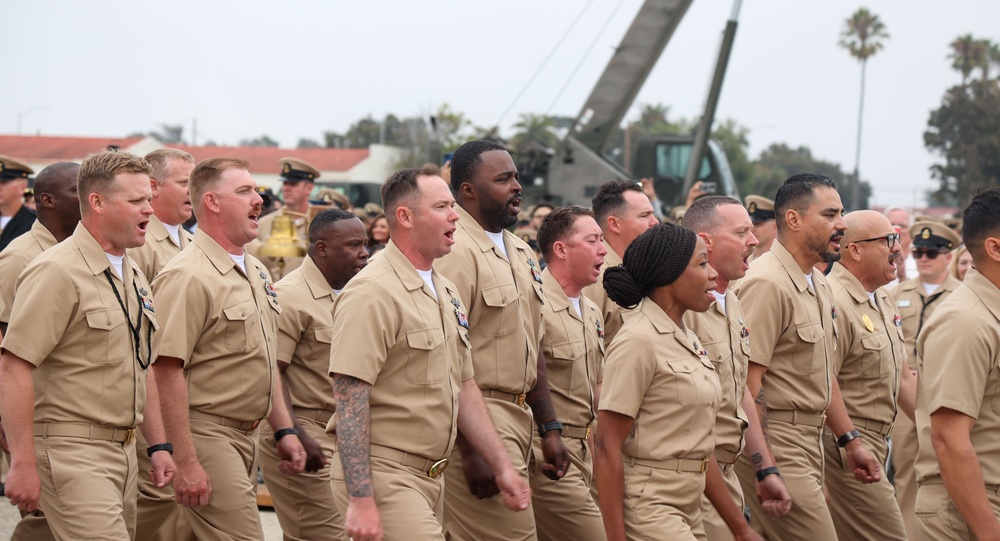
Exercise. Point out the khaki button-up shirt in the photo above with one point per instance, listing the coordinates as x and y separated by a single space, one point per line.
159 248
412 347
68 322
870 352
915 306
658 374
504 297
793 330
726 338
305 335
223 325
15 258
609 309
959 351
574 354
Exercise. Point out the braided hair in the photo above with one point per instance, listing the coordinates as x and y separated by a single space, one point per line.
655 258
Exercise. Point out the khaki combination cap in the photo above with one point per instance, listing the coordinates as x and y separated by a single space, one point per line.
934 235
295 170
11 169
761 209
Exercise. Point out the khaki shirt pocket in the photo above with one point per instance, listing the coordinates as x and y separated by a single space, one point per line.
106 332
425 358
873 347
497 319
722 352
241 322
691 391
809 356
324 335
563 362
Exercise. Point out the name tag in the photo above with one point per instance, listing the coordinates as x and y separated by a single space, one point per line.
903 303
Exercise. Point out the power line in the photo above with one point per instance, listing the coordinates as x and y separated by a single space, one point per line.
547 58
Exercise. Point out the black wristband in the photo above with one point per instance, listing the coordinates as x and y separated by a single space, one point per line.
278 434
768 471
550 426
847 437
168 447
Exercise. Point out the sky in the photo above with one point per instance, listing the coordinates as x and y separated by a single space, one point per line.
297 68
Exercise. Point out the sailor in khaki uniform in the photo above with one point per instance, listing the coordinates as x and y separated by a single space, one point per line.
623 211
958 395
725 226
217 368
73 379
789 307
15 217
871 370
661 395
297 182
570 241
916 300
765 226
58 215
304 503
402 376
500 281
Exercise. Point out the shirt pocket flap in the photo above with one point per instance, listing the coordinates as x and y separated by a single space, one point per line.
499 296
105 320
875 342
568 350
810 332
324 335
426 339
237 312
684 366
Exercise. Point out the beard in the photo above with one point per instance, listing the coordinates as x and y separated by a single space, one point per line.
497 215
822 248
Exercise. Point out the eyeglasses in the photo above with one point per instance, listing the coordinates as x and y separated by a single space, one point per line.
921 252
890 240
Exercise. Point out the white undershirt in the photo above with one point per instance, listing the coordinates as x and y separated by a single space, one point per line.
871 297
497 239
337 292
4 220
240 261
931 288
116 263
809 278
721 299
426 275
575 301
174 232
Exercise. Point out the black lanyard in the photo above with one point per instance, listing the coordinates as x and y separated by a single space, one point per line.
138 324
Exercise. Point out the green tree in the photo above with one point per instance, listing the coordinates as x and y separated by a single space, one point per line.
262 141
534 132
735 142
168 134
780 161
308 142
967 54
862 37
965 130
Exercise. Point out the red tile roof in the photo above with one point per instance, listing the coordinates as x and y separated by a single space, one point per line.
43 148
265 159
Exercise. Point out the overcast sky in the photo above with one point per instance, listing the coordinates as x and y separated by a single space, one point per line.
294 69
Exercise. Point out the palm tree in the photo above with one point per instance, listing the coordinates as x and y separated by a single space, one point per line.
967 54
862 37
534 131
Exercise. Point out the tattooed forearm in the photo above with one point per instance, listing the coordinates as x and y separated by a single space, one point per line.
762 411
354 433
756 458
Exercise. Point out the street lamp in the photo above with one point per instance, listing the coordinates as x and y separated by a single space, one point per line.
25 113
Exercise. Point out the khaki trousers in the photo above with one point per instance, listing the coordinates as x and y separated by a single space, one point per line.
798 452
467 518
88 487
565 509
937 517
158 513
861 512
229 457
32 526
409 502
904 455
663 504
716 528
303 503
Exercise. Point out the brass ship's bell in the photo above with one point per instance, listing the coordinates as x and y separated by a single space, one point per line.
284 240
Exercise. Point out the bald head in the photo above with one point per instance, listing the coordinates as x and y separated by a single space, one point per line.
865 224
870 254
55 178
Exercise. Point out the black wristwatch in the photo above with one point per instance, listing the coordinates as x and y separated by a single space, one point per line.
847 437
547 427
168 447
767 471
278 434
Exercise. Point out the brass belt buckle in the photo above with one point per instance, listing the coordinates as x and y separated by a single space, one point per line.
437 468
129 436
704 465
254 425
587 435
520 400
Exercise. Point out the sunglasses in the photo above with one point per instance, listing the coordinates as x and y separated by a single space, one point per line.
921 252
890 240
